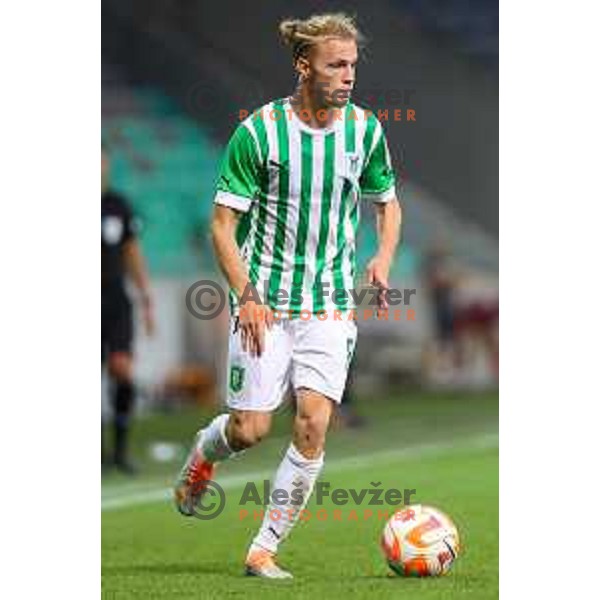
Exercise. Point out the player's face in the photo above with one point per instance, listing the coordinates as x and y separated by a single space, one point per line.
331 71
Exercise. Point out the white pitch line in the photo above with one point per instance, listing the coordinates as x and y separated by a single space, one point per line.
232 481
115 490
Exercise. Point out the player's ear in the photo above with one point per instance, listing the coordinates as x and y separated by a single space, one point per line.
302 67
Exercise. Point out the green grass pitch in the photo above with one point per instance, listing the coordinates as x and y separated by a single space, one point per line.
442 445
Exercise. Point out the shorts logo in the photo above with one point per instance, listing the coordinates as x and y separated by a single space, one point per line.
236 378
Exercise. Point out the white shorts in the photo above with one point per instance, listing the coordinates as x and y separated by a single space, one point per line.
304 353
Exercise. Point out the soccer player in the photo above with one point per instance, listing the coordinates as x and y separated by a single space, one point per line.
121 256
284 225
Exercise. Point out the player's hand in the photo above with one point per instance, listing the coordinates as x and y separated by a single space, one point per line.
254 319
378 271
148 317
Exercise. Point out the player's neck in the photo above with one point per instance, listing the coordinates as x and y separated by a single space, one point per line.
309 110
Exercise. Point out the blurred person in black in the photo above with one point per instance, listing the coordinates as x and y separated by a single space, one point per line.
121 257
441 278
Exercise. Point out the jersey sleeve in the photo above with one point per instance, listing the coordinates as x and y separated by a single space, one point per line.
377 181
240 173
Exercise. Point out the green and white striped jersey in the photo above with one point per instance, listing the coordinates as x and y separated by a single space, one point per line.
300 189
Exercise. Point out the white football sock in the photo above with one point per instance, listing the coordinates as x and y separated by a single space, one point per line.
214 444
295 472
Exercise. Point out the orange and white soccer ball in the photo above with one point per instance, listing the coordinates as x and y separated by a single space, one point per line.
420 541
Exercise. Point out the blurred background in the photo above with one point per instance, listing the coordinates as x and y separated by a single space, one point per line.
174 77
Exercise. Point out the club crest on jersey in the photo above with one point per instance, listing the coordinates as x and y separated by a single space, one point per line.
236 378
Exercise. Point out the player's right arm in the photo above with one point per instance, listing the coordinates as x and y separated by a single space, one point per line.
377 183
237 189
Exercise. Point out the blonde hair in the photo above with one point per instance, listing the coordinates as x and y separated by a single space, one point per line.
300 35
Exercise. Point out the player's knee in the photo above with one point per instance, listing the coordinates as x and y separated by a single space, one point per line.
119 365
310 431
245 431
244 436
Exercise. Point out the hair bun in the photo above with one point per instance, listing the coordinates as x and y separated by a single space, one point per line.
300 34
288 30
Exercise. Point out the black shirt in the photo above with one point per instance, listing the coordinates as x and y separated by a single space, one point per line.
439 278
117 229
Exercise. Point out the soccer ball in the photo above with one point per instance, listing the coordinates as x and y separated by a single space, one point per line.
420 541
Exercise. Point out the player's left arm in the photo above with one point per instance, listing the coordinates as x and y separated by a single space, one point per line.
378 184
138 271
